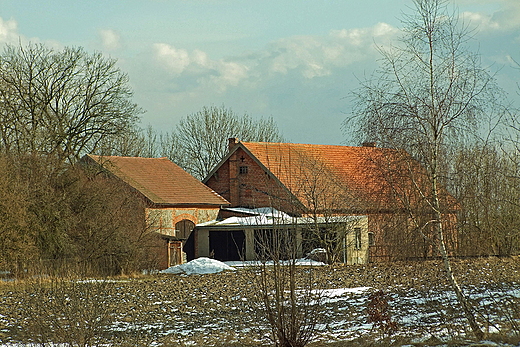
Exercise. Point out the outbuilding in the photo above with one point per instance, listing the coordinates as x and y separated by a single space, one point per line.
175 200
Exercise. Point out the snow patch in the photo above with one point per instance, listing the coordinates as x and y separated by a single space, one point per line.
198 266
331 293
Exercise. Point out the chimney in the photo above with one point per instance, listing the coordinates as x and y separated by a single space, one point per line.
232 142
369 144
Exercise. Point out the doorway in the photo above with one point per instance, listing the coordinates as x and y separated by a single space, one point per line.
227 245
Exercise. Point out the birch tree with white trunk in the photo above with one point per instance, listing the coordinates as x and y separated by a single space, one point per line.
430 94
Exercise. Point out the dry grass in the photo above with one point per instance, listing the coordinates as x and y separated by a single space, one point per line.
205 310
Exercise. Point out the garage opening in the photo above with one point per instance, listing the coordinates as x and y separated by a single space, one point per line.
227 245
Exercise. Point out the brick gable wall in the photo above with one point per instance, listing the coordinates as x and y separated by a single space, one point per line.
251 186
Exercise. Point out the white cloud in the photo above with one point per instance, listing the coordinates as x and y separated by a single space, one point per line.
200 58
8 31
173 59
9 35
317 56
503 19
230 73
110 39
293 78
197 65
309 57
184 77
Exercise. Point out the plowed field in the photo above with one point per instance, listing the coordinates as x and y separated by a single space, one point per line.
219 309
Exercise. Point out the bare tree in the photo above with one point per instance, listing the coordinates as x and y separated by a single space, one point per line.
197 143
487 186
131 143
430 93
202 137
61 103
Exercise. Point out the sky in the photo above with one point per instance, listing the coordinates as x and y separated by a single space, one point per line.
296 61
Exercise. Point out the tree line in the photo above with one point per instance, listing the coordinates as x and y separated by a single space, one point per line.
431 97
56 106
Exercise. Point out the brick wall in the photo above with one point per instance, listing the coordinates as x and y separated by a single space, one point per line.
243 182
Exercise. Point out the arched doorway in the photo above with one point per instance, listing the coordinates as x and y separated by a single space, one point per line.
183 231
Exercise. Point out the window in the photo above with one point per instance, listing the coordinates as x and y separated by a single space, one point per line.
371 241
357 236
243 170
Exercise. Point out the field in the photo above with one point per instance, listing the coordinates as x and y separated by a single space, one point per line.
218 309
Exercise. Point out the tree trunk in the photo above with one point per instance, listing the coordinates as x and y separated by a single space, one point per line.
466 307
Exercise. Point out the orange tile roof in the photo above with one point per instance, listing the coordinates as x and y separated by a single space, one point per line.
160 180
359 171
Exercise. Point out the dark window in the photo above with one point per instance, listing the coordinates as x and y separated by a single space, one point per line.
227 245
243 170
371 241
357 235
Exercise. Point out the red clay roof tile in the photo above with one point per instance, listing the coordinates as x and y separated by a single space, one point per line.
364 171
160 180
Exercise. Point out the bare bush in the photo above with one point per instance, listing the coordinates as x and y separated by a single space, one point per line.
378 311
288 297
72 222
68 312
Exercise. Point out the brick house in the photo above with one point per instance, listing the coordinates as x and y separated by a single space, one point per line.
323 181
175 201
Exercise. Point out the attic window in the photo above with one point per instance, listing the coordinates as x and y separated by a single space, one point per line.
243 170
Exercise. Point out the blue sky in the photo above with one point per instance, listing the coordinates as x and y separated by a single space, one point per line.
294 60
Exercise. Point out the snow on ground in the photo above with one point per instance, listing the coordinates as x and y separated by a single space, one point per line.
332 293
299 262
199 266
204 265
206 316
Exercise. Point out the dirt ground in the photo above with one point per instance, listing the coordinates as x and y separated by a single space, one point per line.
219 309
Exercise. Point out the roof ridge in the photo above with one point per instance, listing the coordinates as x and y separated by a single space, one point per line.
313 145
126 157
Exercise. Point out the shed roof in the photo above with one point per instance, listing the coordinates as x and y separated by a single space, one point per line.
272 218
160 180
